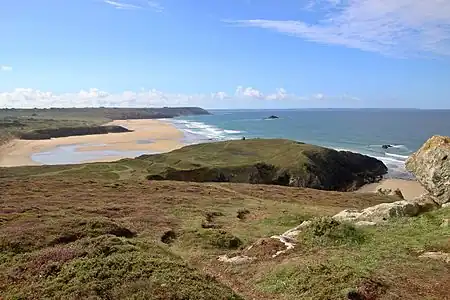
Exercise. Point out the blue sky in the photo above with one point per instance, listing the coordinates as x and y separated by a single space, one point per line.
225 53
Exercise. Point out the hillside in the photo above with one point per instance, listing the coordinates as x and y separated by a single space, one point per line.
42 134
266 161
19 122
100 231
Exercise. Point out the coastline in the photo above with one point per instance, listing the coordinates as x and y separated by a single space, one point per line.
148 135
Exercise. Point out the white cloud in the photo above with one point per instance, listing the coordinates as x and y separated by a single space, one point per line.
135 4
391 27
243 97
248 92
280 94
6 68
319 96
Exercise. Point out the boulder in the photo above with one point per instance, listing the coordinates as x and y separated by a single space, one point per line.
431 166
387 146
379 213
425 203
437 255
348 215
388 192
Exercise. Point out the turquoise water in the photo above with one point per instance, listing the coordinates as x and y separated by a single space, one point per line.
363 131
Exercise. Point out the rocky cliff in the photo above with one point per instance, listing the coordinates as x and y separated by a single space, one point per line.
43 134
431 166
267 161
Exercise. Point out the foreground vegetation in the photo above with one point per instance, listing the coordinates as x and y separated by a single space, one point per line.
102 231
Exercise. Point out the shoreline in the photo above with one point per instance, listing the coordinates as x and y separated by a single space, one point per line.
410 188
160 136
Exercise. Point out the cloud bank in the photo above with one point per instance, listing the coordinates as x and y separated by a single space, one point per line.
404 28
243 97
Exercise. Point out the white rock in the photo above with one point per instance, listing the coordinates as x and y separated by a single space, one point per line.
348 215
437 255
289 243
294 232
240 259
379 213
365 223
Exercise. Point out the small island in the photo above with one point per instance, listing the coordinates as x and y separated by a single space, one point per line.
272 117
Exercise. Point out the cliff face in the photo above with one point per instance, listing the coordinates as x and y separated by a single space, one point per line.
274 161
43 134
431 166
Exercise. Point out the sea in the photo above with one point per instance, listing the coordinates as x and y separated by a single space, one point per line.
358 130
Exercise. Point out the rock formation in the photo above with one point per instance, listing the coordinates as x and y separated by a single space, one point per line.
388 192
381 212
431 166
267 161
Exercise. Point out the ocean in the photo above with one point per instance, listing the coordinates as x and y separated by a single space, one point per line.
358 130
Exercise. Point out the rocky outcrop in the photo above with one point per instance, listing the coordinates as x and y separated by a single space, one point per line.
380 213
45 134
431 166
385 211
272 117
267 161
442 256
388 192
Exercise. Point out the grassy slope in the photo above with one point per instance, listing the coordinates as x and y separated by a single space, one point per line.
94 231
265 161
30 123
233 153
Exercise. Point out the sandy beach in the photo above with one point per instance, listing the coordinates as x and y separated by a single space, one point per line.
410 188
148 135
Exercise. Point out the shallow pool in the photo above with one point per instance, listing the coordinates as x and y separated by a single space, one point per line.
67 154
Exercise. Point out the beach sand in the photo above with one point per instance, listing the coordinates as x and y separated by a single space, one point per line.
410 188
148 135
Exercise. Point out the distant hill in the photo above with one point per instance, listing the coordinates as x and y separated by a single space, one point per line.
267 161
104 112
58 122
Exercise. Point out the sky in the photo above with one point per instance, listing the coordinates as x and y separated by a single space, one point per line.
225 53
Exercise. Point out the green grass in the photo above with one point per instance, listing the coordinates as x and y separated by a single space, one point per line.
348 255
